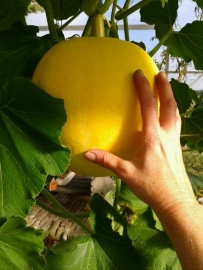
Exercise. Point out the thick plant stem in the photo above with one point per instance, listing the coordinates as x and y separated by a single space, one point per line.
125 22
97 25
69 21
88 28
50 21
126 5
158 46
113 12
113 24
63 210
126 30
103 9
59 214
118 187
122 14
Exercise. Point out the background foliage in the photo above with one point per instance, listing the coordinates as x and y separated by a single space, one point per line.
128 234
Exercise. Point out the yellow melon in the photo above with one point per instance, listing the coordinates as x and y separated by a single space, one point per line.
94 77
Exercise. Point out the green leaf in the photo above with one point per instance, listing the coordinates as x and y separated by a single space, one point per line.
100 205
12 11
140 44
70 245
158 224
128 200
197 114
192 127
162 17
194 96
95 253
20 246
63 9
181 92
30 124
106 250
196 182
199 3
188 43
20 52
163 2
64 256
200 145
191 132
153 247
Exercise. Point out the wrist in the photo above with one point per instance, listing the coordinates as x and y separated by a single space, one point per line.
176 211
170 205
183 225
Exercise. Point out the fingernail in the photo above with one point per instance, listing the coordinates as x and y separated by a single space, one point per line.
90 156
140 73
163 74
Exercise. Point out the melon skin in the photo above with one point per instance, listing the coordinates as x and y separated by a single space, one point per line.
94 77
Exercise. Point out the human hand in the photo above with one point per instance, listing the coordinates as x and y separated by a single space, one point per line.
157 175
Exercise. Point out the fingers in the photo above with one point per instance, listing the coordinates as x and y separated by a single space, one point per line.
147 100
148 105
168 105
105 159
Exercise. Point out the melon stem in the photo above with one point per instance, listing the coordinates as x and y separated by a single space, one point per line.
97 25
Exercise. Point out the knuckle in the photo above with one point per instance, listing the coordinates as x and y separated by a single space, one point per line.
151 102
171 103
123 170
114 163
104 161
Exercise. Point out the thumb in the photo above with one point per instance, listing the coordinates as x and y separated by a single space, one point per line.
107 160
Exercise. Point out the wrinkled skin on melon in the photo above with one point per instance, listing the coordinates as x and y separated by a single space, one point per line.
94 76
